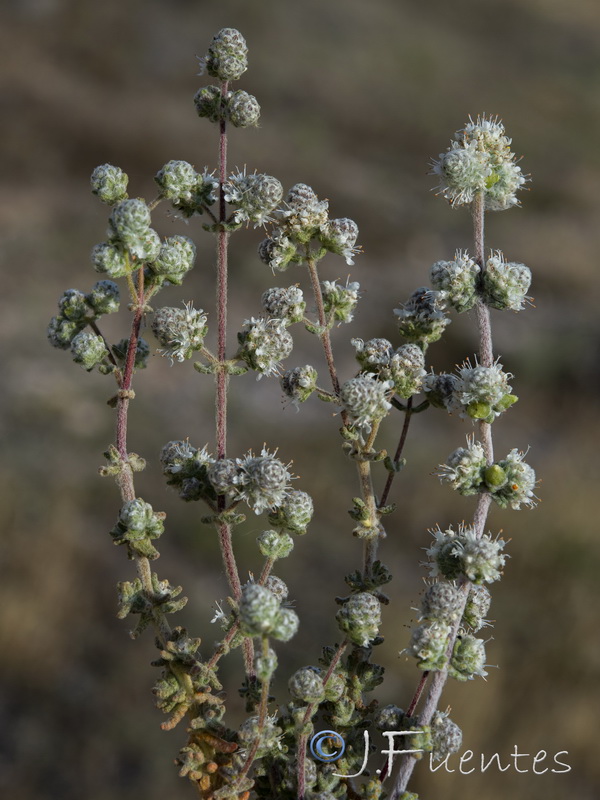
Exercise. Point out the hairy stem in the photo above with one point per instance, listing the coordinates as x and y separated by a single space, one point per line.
324 335
222 378
398 453
486 355
310 710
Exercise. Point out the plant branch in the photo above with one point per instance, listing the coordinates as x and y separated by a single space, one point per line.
440 677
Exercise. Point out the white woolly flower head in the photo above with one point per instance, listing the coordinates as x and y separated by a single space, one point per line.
479 160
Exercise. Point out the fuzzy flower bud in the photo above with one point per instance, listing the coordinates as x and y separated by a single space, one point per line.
446 736
277 251
265 666
421 319
226 58
188 190
104 298
177 180
277 587
263 344
374 354
456 281
440 390
111 259
365 399
109 184
61 331
275 545
479 160
209 103
441 602
483 392
243 110
72 305
462 555
517 488
468 658
389 718
299 383
477 607
306 685
258 609
256 196
339 236
303 213
340 300
286 625
88 350
224 475
268 735
295 513
481 560
428 645
285 304
359 618
406 370
142 352
186 468
138 523
464 469
505 284
175 258
180 331
263 481
130 219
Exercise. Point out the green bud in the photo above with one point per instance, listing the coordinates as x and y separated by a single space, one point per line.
295 513
286 625
243 110
306 685
72 305
109 184
360 617
61 332
468 658
479 410
88 350
209 103
111 259
104 298
495 476
428 645
176 257
258 610
275 545
265 666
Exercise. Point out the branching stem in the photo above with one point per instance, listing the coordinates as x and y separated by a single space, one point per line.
486 355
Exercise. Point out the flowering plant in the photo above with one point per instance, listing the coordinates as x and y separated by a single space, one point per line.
267 754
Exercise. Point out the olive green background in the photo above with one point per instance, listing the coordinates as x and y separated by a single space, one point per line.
356 98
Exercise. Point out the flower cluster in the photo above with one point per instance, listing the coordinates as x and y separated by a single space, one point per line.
479 160
180 331
304 218
190 192
510 481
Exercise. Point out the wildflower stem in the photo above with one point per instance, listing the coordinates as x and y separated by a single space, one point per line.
310 710
262 716
486 355
222 378
398 453
324 335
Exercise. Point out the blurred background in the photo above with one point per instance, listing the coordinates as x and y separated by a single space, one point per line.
356 99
